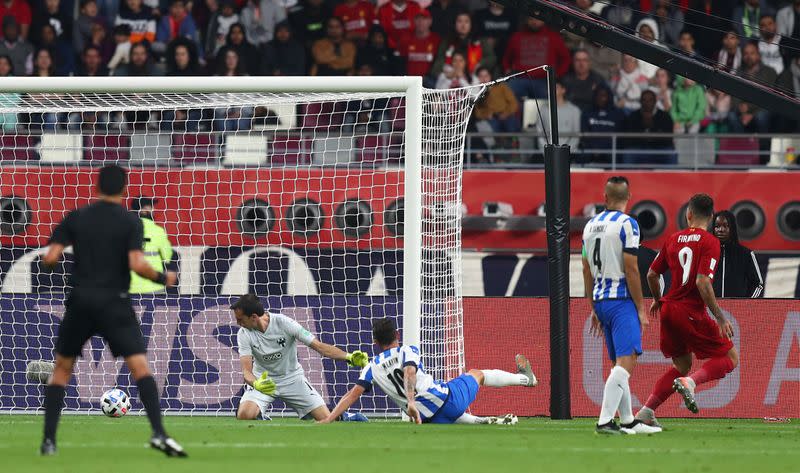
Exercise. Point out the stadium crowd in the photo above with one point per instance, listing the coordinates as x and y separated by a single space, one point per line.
450 43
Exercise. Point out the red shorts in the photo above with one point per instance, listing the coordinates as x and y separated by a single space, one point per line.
687 329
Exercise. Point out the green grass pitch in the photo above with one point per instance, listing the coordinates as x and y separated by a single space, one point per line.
224 445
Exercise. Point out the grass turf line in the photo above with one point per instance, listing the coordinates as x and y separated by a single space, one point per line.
224 445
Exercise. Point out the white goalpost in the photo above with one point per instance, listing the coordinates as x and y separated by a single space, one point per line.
337 200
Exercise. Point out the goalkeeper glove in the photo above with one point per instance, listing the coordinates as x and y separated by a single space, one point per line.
265 384
357 358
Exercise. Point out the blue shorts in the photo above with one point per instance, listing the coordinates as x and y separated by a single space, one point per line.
463 391
621 325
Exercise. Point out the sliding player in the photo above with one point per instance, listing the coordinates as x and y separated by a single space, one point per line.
614 289
691 255
398 371
268 354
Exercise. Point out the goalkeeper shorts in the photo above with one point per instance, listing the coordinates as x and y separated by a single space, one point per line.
297 394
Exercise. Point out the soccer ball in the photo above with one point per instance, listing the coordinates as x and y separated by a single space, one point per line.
115 403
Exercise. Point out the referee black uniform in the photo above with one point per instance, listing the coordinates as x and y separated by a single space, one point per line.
107 243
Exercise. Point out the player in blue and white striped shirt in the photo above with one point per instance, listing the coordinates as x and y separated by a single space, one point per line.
399 372
614 288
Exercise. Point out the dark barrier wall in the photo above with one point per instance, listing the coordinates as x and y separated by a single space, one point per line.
766 383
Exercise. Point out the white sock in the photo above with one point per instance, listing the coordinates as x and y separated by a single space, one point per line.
625 407
612 394
500 378
470 419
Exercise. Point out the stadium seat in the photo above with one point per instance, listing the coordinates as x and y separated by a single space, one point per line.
60 147
332 150
106 147
16 147
150 148
290 150
189 148
397 114
323 115
738 151
243 149
371 149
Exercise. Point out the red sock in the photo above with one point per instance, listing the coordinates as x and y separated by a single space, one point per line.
713 369
663 388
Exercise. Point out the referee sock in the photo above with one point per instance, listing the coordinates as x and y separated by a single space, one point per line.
53 403
663 388
500 379
713 369
148 394
612 395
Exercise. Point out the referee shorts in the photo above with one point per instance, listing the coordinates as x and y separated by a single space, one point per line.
99 312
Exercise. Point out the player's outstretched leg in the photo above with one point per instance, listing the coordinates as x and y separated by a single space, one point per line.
663 389
500 379
712 370
508 419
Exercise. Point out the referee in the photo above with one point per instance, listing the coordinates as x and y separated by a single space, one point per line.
107 243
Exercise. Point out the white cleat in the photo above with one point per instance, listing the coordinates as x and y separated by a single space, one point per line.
638 427
508 419
524 368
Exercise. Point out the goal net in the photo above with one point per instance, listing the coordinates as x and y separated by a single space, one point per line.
336 201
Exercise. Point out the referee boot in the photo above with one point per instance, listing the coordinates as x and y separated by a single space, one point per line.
169 446
48 448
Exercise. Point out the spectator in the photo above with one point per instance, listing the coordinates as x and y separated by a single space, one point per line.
283 56
456 75
16 47
718 107
100 40
122 53
707 20
178 24
248 54
219 25
43 64
755 70
91 63
663 90
688 105
382 60
8 120
534 46
419 50
603 117
230 64
367 116
20 12
582 80
65 55
308 21
498 106
357 16
669 19
50 14
738 274
747 16
770 44
496 24
647 120
647 29
82 31
569 118
140 19
686 44
477 52
789 81
621 12
396 18
443 13
629 84
259 18
744 118
334 54
788 25
730 56
182 58
140 63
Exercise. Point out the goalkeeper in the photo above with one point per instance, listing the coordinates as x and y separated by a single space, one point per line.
268 353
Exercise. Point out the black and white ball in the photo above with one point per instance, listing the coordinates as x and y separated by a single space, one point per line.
115 403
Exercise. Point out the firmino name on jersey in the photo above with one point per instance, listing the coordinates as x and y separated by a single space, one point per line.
688 238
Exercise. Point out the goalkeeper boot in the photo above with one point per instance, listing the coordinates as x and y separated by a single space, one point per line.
648 416
508 419
170 447
609 428
639 427
48 448
524 368
685 387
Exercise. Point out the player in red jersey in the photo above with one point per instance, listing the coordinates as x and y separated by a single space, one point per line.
397 19
357 16
691 255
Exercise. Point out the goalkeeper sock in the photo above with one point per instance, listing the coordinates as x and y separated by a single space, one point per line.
53 403
663 388
500 379
148 394
713 369
612 394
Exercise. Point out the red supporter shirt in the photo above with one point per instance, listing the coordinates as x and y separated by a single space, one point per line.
19 9
419 53
398 20
529 49
357 18
686 254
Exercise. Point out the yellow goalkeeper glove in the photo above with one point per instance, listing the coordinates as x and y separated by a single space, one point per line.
265 384
357 358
